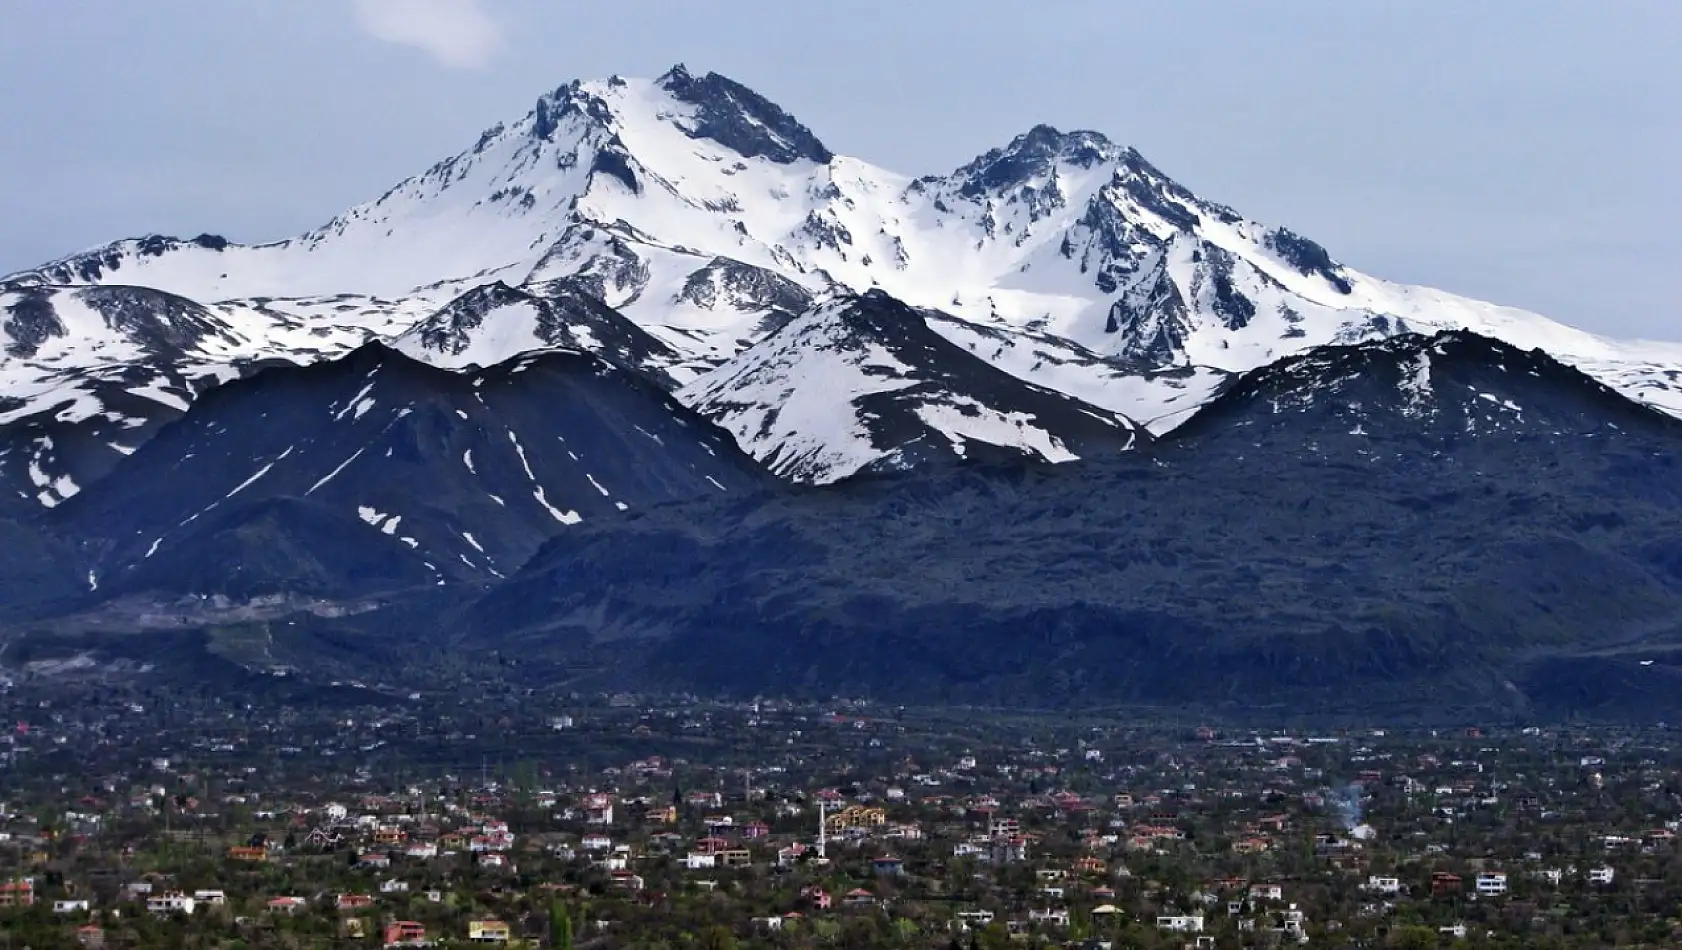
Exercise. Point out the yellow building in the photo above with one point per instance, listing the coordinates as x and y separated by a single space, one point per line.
855 816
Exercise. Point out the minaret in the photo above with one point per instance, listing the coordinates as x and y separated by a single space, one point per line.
823 809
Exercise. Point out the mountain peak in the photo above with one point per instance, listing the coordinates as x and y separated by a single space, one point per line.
1032 155
735 116
1414 391
679 73
864 384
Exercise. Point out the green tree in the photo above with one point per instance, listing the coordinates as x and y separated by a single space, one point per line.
718 938
1412 938
560 927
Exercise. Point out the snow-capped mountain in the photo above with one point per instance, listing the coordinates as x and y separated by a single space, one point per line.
685 225
866 384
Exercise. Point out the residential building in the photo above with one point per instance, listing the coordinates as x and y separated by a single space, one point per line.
1383 885
19 893
855 816
598 809
170 902
1055 917
488 931
976 918
405 933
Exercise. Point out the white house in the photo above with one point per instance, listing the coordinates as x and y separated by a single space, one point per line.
1052 917
695 861
598 809
1600 875
69 907
1491 884
174 902
1292 924
1383 885
1180 923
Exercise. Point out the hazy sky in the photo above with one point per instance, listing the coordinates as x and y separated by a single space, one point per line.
1523 151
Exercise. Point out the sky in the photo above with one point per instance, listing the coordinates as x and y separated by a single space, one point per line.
1527 153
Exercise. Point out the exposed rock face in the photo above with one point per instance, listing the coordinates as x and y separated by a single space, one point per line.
742 120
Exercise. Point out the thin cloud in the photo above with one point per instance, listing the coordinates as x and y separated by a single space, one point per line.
459 34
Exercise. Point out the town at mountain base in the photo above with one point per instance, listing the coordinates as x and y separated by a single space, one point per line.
650 388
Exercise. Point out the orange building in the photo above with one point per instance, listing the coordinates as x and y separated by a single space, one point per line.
405 933
17 894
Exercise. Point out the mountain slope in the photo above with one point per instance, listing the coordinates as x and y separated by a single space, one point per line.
865 384
89 373
463 475
1241 563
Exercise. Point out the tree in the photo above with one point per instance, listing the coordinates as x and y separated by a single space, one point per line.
1412 938
718 938
560 927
